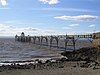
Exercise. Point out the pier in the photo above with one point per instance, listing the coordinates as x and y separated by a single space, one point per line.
57 41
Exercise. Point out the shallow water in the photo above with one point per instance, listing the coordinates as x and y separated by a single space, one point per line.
17 51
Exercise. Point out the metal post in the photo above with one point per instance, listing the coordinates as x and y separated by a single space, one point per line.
74 42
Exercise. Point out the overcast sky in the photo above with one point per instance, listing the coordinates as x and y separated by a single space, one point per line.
49 17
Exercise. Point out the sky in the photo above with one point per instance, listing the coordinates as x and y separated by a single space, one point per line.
49 17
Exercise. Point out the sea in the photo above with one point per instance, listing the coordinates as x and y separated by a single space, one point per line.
11 50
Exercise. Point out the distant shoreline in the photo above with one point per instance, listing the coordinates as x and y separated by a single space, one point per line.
7 37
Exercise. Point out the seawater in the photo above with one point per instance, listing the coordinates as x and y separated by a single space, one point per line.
18 51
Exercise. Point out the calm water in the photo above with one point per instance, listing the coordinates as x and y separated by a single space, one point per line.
14 51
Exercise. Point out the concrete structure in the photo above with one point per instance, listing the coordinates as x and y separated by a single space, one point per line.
58 41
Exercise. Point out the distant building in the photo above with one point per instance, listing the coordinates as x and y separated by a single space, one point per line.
22 34
96 39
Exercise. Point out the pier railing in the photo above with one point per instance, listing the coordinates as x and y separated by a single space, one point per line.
58 41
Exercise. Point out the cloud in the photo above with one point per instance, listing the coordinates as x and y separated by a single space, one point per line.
67 9
49 1
64 9
9 30
2 26
74 25
91 25
69 28
6 30
3 2
80 17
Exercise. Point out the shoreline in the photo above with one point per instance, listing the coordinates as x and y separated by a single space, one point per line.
60 67
52 61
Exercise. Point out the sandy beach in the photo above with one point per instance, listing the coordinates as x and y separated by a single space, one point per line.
66 70
63 71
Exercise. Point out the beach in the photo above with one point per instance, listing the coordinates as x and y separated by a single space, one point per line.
65 70
20 58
